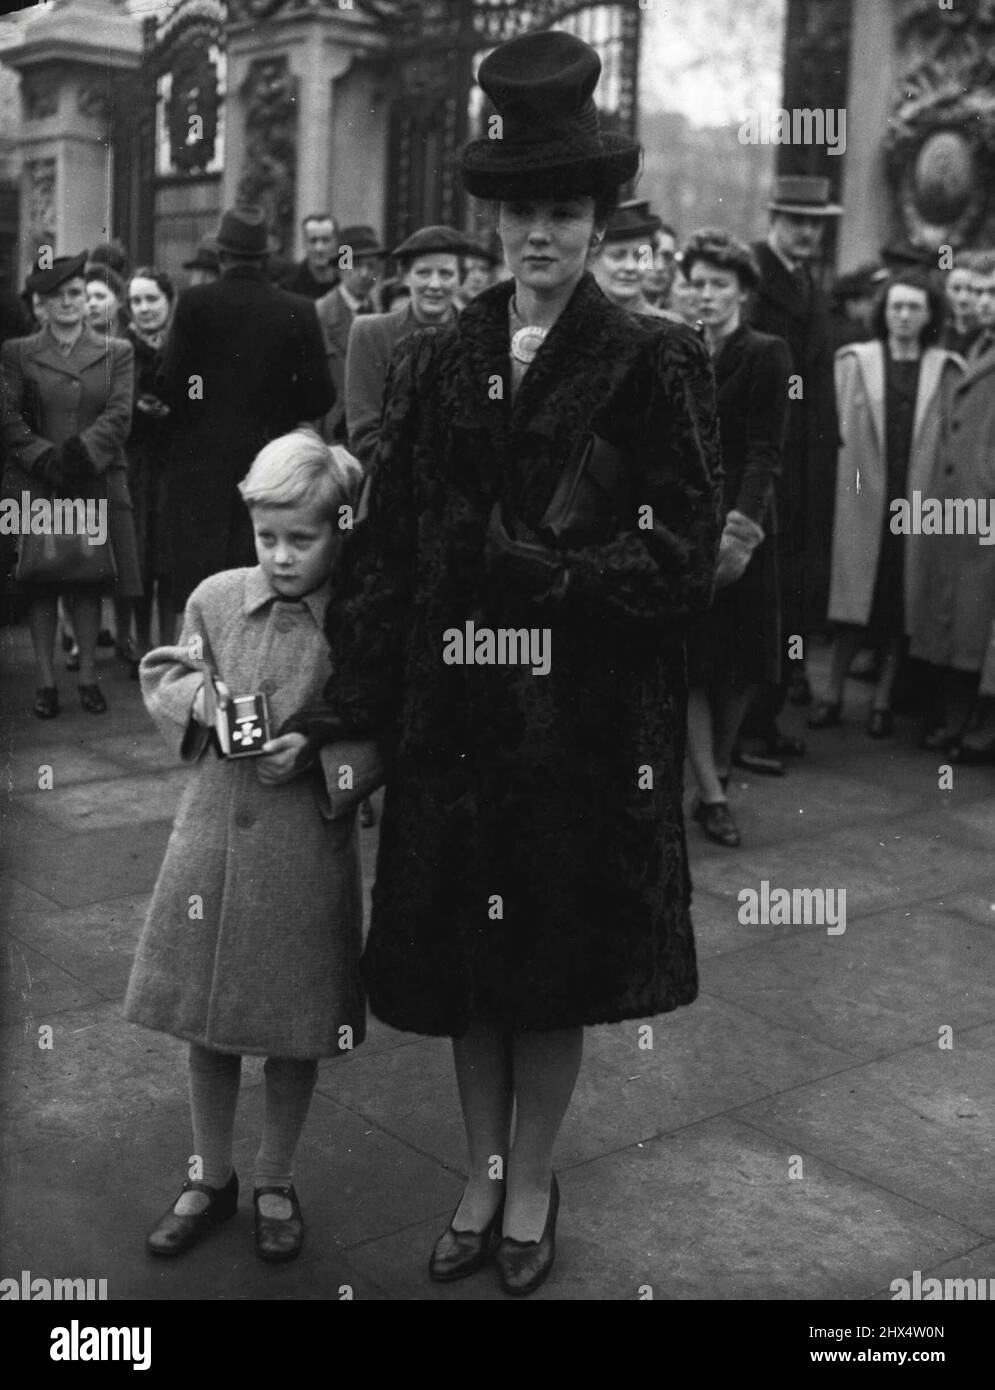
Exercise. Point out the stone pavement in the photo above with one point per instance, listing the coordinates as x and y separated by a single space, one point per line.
799 1133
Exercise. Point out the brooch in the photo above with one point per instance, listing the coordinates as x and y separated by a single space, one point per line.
526 343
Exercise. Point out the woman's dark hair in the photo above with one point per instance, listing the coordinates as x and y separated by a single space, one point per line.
106 276
488 210
158 277
914 280
391 291
720 249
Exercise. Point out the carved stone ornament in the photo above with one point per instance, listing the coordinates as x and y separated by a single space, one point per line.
269 94
940 146
40 93
95 99
41 202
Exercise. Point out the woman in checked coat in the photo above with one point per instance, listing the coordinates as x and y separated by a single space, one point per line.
532 874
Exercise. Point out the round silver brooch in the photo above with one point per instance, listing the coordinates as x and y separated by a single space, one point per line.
527 342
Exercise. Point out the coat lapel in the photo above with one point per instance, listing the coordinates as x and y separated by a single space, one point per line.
777 285
88 350
871 359
930 371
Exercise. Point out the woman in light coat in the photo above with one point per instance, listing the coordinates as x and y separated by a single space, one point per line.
891 395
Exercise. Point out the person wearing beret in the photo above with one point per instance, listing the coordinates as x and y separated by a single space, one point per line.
66 412
361 260
625 256
244 362
532 876
738 643
429 263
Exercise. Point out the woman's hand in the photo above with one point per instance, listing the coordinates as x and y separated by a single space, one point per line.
278 762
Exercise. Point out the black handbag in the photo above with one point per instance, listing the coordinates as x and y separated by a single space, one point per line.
72 559
592 501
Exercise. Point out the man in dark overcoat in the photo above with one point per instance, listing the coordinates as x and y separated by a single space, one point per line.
244 363
790 305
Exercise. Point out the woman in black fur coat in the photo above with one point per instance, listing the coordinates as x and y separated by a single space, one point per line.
532 874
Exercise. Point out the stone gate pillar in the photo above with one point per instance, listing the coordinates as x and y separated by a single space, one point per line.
307 114
69 56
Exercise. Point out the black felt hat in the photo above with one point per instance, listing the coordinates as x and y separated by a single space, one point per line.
432 241
632 221
243 232
548 142
63 268
362 241
804 195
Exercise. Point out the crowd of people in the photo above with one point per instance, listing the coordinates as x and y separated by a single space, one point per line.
673 461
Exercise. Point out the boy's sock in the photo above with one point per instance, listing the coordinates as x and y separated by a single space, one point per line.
214 1081
289 1084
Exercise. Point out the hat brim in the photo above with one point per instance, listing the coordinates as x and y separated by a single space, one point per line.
807 209
48 281
496 172
369 253
644 231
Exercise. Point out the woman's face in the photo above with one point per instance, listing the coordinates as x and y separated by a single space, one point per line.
102 305
684 297
719 295
546 241
432 281
960 294
906 313
66 305
149 306
620 269
477 277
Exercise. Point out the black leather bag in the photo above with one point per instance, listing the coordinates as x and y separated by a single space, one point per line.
592 501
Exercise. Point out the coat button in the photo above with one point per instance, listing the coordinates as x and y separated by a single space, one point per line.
245 820
267 686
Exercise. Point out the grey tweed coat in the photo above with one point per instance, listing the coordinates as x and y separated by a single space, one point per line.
254 932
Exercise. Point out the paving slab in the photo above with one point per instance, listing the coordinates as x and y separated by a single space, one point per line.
76 869
882 986
920 1124
94 944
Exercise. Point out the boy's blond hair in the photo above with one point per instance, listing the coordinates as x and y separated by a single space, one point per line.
300 470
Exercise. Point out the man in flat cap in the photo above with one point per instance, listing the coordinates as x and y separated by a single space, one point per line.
361 260
244 363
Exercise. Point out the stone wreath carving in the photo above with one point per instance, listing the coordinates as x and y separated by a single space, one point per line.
194 94
270 96
940 146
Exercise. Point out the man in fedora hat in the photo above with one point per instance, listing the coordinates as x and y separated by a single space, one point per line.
429 262
203 265
244 363
790 305
361 261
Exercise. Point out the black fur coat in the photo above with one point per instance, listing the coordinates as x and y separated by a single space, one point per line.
532 867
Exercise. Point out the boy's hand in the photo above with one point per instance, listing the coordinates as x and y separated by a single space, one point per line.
279 756
221 691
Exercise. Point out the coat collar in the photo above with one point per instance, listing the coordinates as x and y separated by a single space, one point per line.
730 350
870 360
777 284
259 592
88 349
976 367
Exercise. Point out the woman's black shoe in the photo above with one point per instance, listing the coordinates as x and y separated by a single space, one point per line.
525 1264
468 1251
92 700
760 763
880 723
782 746
826 715
278 1239
174 1234
717 823
46 705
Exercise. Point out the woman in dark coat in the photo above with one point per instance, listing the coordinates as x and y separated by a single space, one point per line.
532 874
150 303
737 646
66 411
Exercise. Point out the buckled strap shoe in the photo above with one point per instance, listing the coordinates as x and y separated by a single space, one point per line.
524 1265
716 820
278 1239
174 1234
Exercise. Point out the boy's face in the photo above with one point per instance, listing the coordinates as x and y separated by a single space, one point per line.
296 547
